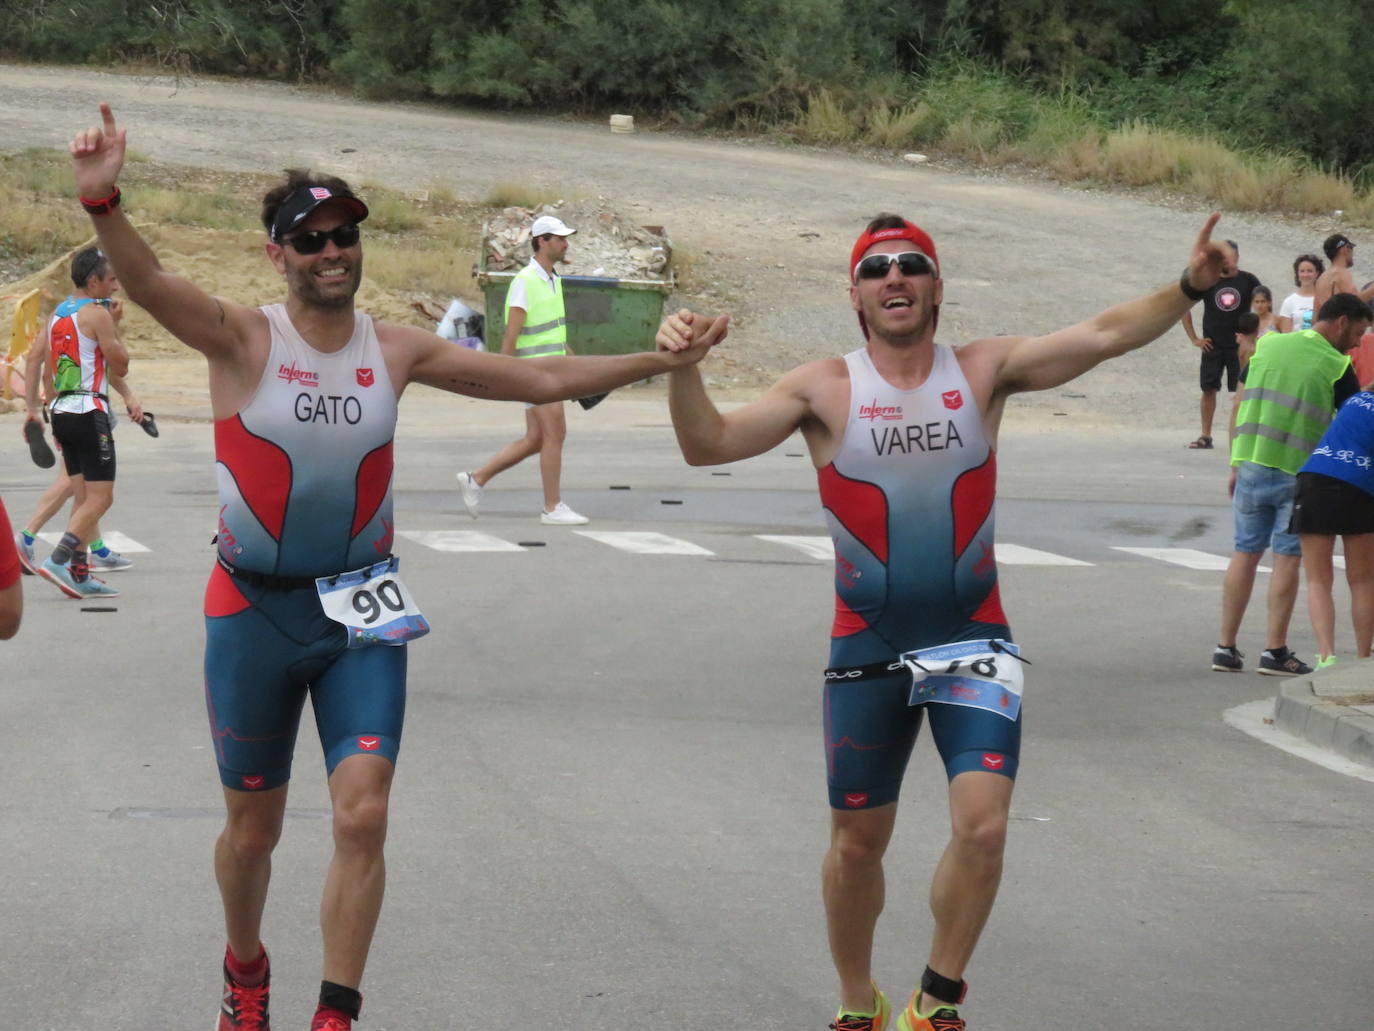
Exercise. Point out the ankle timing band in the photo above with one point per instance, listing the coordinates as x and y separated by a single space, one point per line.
942 987
338 997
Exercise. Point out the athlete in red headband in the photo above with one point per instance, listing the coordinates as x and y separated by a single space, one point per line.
903 434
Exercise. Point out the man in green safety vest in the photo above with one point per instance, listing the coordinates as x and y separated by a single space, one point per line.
536 325
1289 392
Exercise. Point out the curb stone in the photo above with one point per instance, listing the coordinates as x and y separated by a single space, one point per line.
1333 709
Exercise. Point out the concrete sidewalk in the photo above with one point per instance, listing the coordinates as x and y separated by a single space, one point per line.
1333 709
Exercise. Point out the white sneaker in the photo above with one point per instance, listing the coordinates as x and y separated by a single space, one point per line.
472 493
562 515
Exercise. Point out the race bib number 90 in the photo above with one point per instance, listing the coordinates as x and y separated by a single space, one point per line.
373 605
978 674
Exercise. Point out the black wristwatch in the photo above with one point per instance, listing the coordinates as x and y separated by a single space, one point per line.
1189 291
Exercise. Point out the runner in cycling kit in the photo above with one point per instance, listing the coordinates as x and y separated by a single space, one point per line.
304 491
909 501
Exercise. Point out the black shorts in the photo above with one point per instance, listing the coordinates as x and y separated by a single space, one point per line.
87 444
1216 360
1331 507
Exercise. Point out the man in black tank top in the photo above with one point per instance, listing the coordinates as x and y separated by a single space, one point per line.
873 704
274 638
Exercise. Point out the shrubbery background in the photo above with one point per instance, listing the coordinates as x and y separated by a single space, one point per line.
1269 75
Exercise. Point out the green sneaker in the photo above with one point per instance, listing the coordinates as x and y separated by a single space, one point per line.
1323 661
942 1018
875 1021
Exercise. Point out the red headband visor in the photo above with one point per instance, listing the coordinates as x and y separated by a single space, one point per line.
907 231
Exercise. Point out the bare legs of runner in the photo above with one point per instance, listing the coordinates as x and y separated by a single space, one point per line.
360 789
961 893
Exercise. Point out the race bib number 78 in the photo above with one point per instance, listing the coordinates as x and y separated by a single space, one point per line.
373 604
978 674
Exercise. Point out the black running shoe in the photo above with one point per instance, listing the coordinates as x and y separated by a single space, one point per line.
38 445
149 426
1280 662
1227 660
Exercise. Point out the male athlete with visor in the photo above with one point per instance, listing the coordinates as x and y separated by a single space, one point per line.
903 435
305 597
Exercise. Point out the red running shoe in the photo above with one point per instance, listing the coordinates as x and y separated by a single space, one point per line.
331 1021
244 1008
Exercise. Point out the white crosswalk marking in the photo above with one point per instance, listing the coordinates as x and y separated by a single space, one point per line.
642 543
458 540
1016 555
812 547
113 539
1188 558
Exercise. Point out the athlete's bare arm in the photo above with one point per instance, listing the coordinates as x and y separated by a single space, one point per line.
1040 363
37 375
213 326
131 402
709 437
419 356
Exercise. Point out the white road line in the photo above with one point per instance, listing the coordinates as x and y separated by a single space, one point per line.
812 547
459 540
1188 558
642 543
112 538
1016 555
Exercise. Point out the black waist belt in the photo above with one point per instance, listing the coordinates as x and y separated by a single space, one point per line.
265 581
872 671
84 393
271 581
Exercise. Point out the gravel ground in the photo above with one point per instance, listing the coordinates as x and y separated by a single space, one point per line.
760 230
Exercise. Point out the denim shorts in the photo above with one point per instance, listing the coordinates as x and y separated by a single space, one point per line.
1263 506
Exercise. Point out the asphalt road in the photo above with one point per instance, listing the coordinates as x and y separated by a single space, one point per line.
610 808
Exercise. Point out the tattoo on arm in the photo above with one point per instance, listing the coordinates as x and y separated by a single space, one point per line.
471 384
221 311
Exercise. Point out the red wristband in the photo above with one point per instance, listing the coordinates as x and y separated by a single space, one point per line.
103 206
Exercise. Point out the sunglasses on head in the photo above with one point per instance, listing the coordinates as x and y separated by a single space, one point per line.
312 241
909 263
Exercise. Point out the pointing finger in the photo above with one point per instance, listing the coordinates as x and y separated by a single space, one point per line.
1205 236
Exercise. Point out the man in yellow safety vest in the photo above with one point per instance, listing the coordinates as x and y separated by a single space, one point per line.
536 325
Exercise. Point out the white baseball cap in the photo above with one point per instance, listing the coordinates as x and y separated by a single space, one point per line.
547 225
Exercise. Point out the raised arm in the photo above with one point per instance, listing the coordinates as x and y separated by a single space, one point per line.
1039 363
708 437
208 324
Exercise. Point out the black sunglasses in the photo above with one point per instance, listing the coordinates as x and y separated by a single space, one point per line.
909 263
312 241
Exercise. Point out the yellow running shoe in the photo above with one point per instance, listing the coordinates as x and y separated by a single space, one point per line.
875 1021
943 1018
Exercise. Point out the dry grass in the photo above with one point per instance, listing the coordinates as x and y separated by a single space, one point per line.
521 195
392 212
400 265
898 127
209 209
826 120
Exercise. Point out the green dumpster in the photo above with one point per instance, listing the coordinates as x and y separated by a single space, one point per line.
605 316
